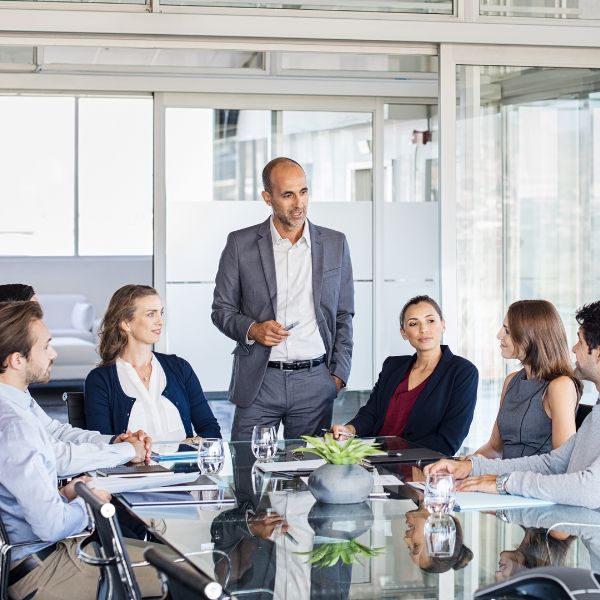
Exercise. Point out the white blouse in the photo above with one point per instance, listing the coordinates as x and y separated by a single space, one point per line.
152 412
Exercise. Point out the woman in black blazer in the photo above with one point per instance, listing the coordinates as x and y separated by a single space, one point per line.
427 398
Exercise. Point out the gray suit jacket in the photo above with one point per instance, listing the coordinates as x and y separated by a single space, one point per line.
246 291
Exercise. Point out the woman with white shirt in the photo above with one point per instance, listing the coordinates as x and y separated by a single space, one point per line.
135 388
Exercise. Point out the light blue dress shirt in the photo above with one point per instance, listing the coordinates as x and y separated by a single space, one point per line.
30 504
78 450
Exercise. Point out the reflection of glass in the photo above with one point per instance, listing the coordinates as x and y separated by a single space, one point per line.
440 535
264 443
439 493
211 455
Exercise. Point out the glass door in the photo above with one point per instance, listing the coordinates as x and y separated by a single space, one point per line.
526 199
214 156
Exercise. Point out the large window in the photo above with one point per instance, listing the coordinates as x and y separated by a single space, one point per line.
76 176
214 159
528 204
549 9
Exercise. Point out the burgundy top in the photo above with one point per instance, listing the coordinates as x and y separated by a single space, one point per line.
401 403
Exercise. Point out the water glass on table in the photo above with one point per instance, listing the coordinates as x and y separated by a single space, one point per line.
440 493
264 443
211 455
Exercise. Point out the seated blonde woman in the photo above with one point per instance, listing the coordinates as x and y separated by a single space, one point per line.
136 388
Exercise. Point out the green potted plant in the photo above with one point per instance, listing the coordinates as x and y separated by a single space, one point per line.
343 480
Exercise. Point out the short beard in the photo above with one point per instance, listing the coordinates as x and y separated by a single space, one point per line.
33 376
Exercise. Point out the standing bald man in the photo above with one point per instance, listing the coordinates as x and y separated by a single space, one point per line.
284 293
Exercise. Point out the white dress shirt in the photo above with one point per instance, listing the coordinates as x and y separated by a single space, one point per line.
293 270
152 412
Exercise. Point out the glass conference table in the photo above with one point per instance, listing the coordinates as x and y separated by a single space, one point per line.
274 541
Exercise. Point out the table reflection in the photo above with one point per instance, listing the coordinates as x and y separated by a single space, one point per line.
280 543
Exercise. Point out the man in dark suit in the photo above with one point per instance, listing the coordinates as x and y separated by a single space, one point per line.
284 293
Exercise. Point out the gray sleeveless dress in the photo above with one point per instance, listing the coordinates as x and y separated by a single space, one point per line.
524 426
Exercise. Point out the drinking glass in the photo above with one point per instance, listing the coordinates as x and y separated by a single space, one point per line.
211 455
440 535
264 443
439 493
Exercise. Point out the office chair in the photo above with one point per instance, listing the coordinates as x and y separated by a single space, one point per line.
75 411
183 580
583 410
116 577
5 558
543 583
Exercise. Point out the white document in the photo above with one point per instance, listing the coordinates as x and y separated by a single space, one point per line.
386 479
115 485
482 501
290 465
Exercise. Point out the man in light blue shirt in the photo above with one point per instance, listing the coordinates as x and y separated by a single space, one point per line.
31 506
76 450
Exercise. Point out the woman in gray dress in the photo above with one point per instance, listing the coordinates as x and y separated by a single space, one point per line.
538 403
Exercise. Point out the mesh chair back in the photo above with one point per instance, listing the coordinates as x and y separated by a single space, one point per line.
75 410
184 580
117 580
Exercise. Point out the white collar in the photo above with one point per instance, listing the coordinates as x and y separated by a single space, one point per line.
278 239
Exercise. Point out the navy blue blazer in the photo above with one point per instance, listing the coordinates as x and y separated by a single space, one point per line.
442 414
107 408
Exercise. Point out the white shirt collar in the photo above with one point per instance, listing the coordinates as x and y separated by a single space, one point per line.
278 239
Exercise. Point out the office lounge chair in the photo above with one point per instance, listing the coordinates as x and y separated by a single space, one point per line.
117 581
183 580
75 410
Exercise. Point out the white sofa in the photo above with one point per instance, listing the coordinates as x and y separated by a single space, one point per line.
68 315
73 326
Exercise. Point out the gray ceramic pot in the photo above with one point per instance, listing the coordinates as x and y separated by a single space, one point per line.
340 484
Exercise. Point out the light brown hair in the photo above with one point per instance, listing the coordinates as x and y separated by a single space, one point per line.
120 308
538 332
15 329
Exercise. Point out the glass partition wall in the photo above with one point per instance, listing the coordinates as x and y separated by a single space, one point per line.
214 154
527 206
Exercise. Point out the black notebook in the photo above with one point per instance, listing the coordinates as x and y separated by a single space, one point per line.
133 471
406 455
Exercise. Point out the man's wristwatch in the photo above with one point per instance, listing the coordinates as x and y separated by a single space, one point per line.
501 483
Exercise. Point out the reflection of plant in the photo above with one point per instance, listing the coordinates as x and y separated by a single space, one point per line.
350 453
348 551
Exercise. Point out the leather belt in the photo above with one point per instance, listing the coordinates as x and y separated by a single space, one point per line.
294 365
30 563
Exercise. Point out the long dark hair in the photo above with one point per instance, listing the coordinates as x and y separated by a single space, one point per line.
120 308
